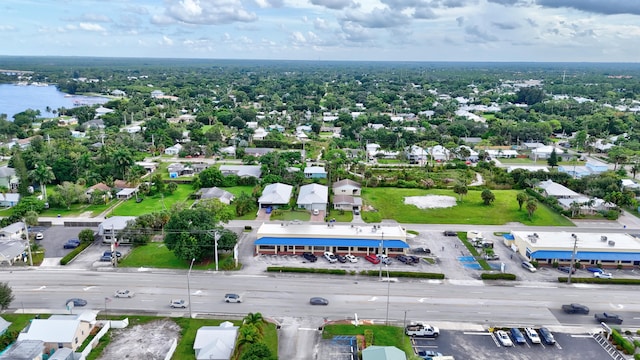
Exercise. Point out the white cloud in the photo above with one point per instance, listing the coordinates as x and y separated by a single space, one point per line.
91 27
7 28
166 40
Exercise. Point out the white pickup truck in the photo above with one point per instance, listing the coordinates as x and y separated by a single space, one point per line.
422 330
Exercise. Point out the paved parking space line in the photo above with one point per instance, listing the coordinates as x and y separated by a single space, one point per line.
476 333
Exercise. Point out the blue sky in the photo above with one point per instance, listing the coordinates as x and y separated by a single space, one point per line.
385 30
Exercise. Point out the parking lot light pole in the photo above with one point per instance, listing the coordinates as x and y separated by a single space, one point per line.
386 321
573 256
380 251
189 286
26 231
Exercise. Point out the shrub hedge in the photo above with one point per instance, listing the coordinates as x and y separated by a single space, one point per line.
70 256
306 270
408 274
563 279
497 276
627 345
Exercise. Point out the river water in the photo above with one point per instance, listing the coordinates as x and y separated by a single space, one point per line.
15 99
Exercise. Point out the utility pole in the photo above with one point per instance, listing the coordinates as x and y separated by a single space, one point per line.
380 251
386 321
216 236
26 230
189 286
573 256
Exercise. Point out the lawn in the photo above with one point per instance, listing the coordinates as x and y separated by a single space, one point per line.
237 190
346 216
382 335
288 215
157 255
77 209
154 203
389 203
522 161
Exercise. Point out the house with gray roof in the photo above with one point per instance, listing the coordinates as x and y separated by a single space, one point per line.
24 350
347 202
315 172
13 231
553 189
313 197
9 199
224 196
242 170
8 178
347 187
275 195
215 342
110 227
12 251
257 152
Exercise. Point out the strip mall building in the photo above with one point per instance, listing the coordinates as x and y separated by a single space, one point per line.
295 238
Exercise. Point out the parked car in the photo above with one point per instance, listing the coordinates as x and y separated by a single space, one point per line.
503 338
421 250
595 269
450 233
318 301
77 302
516 334
232 298
39 236
356 212
178 303
527 265
341 258
309 257
404 259
492 257
316 212
575 309
71 244
384 258
123 294
547 336
428 354
532 334
351 258
108 253
567 269
105 258
603 275
422 330
330 257
414 259
372 259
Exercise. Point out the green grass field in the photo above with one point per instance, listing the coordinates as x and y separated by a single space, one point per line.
382 335
157 255
389 203
288 215
154 203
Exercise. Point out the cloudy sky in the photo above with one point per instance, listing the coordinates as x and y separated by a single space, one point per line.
411 30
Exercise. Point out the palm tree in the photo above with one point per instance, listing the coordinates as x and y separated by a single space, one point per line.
43 175
532 206
254 319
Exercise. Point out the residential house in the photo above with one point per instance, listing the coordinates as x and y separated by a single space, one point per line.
215 342
315 172
553 189
257 152
173 150
347 202
383 353
532 145
15 231
100 111
587 206
110 227
630 184
178 169
591 168
372 150
501 153
259 134
149 166
275 195
60 330
313 197
252 124
94 124
9 199
157 94
473 155
276 127
228 151
198 167
242 170
8 178
12 251
334 130
25 350
439 153
4 325
99 187
347 187
224 196
416 154
62 354
544 152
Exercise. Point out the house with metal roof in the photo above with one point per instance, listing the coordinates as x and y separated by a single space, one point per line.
315 172
313 197
257 152
12 251
383 353
553 189
13 231
241 170
347 202
224 196
609 250
275 195
110 227
60 330
347 187
24 350
215 342
295 238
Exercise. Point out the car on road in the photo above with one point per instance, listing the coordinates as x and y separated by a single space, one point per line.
603 275
178 303
232 298
575 309
516 334
123 294
77 302
39 236
595 269
450 233
318 301
351 258
341 258
532 334
608 318
330 257
428 354
503 338
71 244
567 269
109 253
529 266
372 259
547 336
309 257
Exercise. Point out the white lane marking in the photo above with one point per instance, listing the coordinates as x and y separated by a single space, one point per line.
88 288
373 298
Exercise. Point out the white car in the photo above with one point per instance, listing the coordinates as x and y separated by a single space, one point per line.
351 258
532 334
123 294
330 257
603 275
503 338
39 236
384 258
178 303
235 298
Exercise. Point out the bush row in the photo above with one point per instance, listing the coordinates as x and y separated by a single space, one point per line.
407 274
497 276
306 270
563 279
618 339
70 256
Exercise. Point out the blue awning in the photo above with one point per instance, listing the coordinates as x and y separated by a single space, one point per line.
331 242
587 255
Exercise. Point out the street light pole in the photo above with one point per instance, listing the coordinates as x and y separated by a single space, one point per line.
380 251
573 256
26 231
386 321
216 237
189 286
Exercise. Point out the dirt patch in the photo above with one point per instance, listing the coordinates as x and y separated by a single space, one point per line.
149 341
431 201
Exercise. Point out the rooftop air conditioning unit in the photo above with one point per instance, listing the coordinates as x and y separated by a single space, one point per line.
535 234
611 243
533 240
603 238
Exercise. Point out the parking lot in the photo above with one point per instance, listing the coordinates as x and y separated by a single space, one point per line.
481 345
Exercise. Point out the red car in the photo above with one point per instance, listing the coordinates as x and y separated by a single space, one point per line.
372 258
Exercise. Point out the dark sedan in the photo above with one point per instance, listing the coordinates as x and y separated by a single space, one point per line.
567 269
575 309
547 336
71 244
318 301
310 257
77 302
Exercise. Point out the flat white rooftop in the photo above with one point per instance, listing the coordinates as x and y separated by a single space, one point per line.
302 229
586 241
